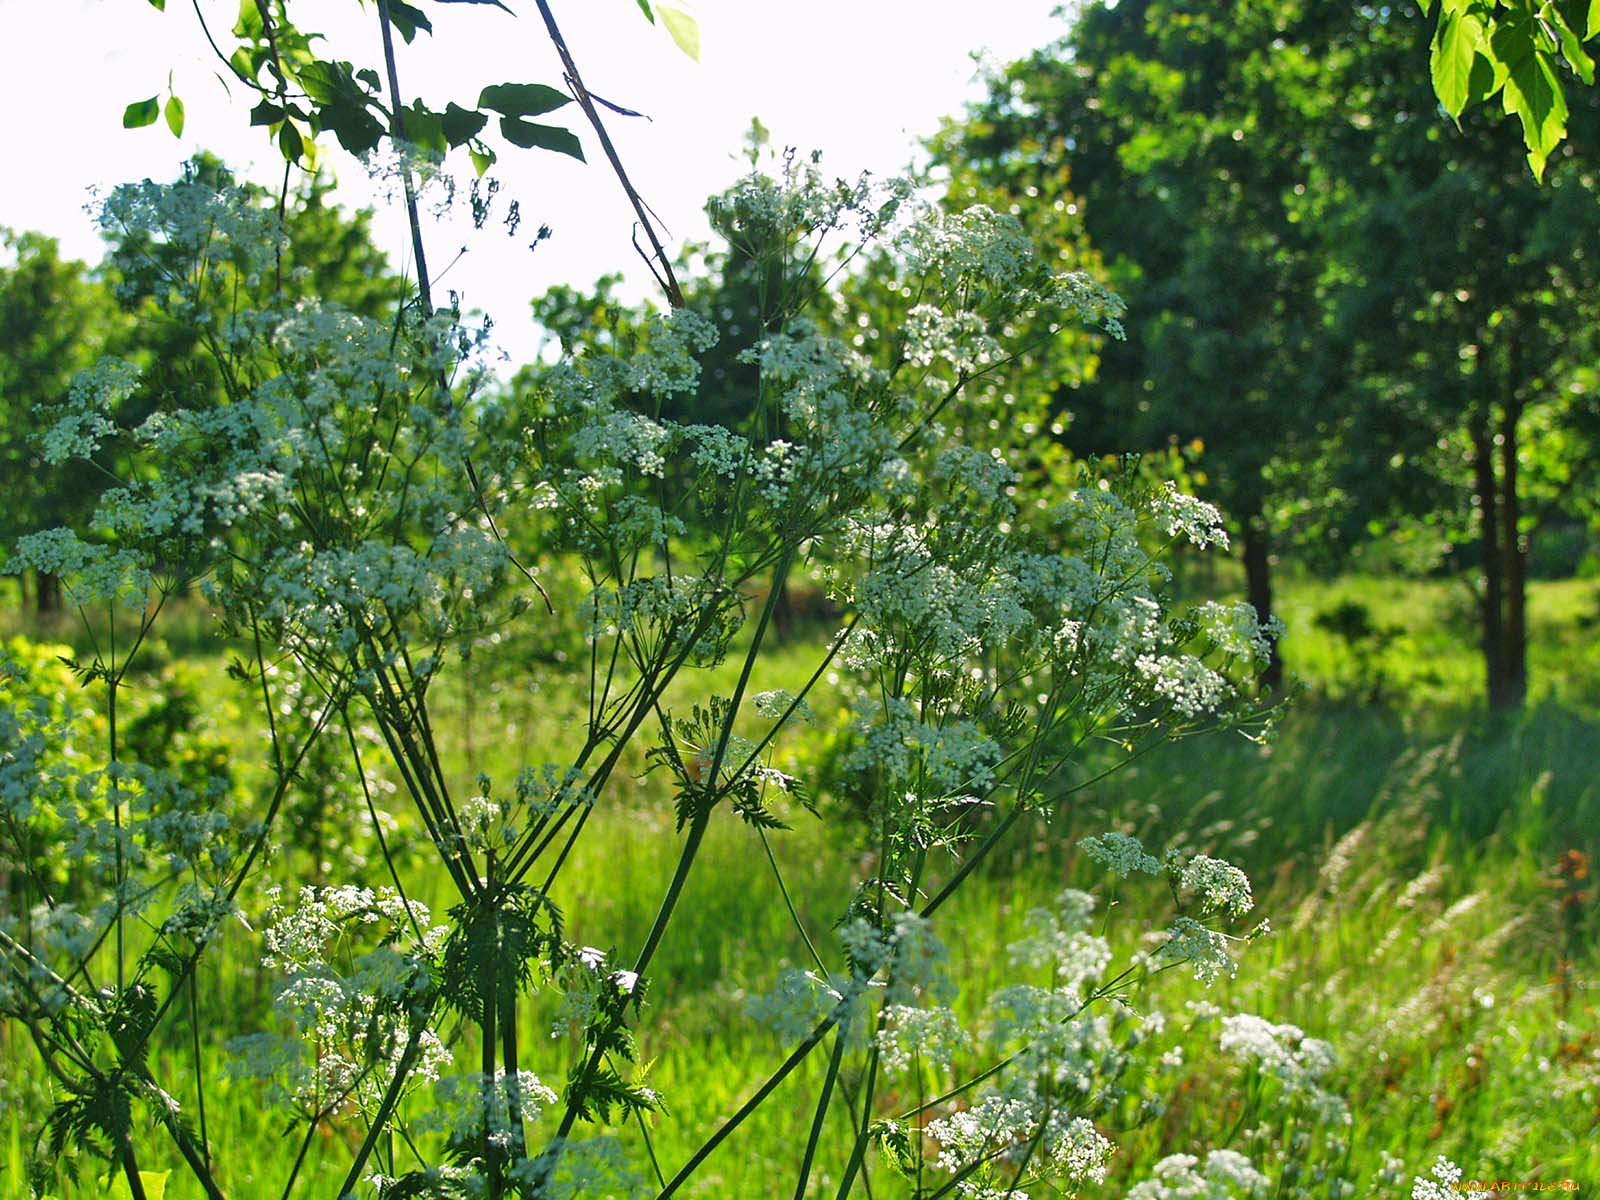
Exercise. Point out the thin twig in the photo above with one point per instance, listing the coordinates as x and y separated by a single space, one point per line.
666 278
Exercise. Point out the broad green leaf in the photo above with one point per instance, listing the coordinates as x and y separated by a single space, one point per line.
174 114
245 62
1455 49
1593 30
357 129
462 124
482 157
159 5
290 143
644 7
527 134
141 113
1571 47
408 20
153 1182
266 113
685 30
324 81
425 128
249 25
1532 88
521 99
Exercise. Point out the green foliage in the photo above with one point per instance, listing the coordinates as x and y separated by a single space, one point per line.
1523 51
302 95
1363 317
55 319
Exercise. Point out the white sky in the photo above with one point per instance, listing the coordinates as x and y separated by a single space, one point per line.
860 80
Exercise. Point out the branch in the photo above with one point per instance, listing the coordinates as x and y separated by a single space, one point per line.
587 102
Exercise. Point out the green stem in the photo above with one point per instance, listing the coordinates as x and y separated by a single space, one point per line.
821 1115
797 1056
386 1107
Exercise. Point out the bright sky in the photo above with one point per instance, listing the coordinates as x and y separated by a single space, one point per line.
861 80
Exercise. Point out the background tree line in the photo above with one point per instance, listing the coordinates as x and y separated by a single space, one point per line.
1370 319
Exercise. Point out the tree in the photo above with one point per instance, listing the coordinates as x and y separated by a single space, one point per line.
1469 295
1292 220
1182 127
1520 51
56 318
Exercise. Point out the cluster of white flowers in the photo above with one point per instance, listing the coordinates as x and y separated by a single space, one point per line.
465 1106
1227 1175
1446 1175
1120 853
1203 948
799 1001
91 571
83 422
778 701
998 1132
1217 883
1284 1052
1181 515
912 1036
350 1008
961 339
575 1170
1057 938
952 759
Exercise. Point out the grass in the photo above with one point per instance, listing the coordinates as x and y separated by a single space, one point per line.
1408 856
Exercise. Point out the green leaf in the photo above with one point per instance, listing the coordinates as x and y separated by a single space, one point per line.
153 1182
249 26
1593 30
159 5
425 128
528 134
1571 47
462 124
1456 48
174 114
483 157
685 30
408 20
290 143
644 7
142 113
266 113
1532 89
521 99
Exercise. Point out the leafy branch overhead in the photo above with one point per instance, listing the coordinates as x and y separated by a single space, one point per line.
303 96
1521 51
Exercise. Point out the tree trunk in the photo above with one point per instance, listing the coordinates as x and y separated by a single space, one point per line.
47 590
1492 605
1514 663
1258 590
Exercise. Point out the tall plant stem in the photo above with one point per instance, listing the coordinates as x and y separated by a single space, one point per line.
817 1121
669 902
489 987
130 1170
113 681
386 1106
796 1056
418 252
664 277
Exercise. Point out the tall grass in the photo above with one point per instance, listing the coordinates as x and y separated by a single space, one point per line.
1419 865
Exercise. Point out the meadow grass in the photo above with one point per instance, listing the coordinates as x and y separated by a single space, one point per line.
1409 858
